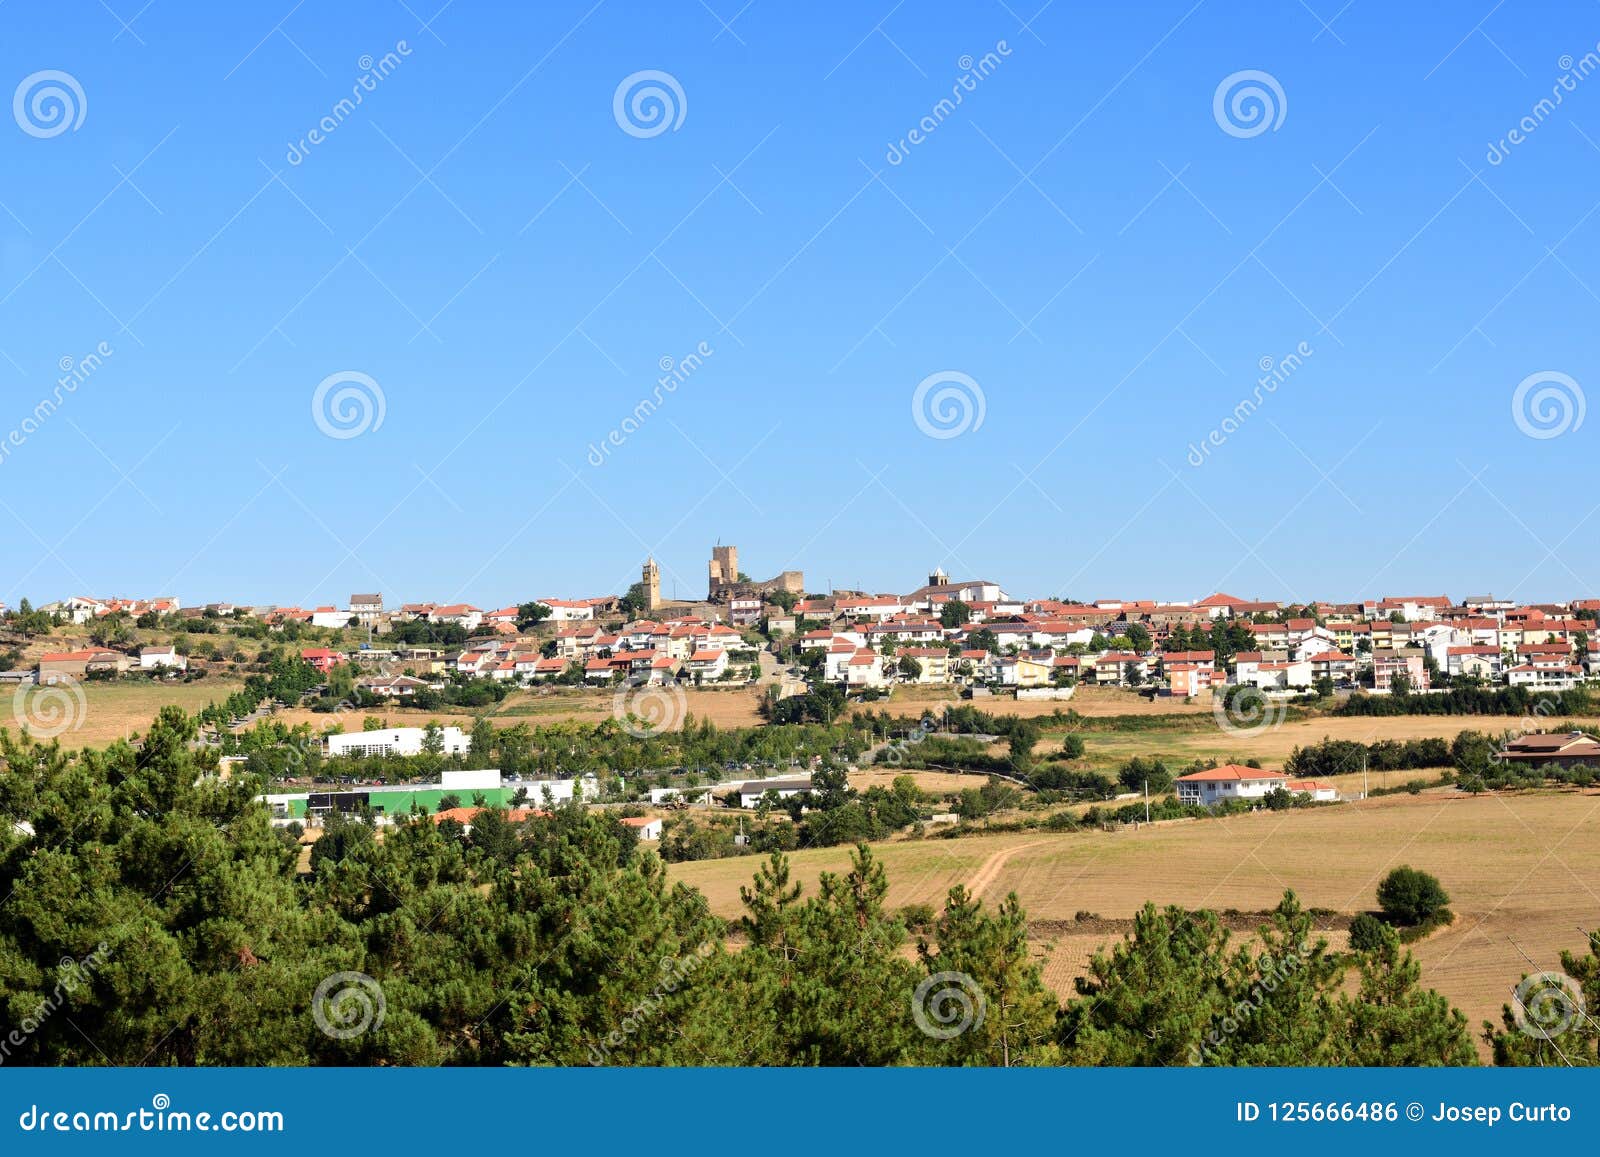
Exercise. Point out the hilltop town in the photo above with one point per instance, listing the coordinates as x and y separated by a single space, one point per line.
968 633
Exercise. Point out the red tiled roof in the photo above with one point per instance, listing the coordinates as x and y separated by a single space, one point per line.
1230 773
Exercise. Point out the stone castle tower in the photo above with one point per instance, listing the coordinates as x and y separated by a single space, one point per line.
724 568
652 582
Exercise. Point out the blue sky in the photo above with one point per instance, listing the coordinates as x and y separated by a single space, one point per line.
1080 237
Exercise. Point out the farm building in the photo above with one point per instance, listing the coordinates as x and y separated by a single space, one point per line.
751 791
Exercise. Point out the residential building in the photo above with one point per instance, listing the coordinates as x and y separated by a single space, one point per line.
68 665
1389 665
1560 748
864 669
644 827
1230 781
163 658
321 658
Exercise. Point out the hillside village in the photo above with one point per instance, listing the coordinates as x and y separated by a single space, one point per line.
970 634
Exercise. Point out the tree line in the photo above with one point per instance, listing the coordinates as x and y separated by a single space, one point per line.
156 918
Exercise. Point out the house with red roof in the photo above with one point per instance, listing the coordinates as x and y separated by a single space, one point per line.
644 827
321 658
707 665
1230 781
1220 604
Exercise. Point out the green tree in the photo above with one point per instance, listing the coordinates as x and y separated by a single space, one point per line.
1394 1022
954 613
1409 896
531 614
983 1000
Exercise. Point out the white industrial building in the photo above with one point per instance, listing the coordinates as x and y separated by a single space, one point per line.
396 741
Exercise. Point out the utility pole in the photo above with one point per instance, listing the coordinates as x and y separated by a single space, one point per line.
1147 801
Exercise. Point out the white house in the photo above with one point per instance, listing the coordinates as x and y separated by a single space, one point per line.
871 607
1485 662
1282 676
1545 677
396 741
461 614
708 665
644 827
865 669
1230 781
1309 787
152 658
78 608
366 609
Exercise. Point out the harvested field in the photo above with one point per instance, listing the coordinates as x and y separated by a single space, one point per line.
107 711
1092 701
1273 745
731 708
933 782
1519 869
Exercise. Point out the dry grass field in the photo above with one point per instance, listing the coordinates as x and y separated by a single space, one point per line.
1520 870
1273 745
933 782
728 709
107 711
1089 701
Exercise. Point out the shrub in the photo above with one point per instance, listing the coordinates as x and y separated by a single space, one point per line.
1408 896
918 917
1366 933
